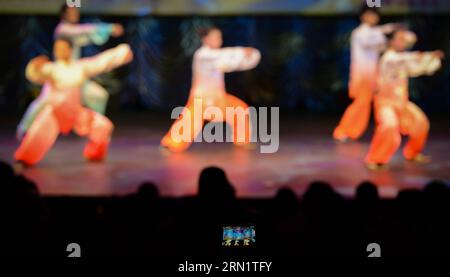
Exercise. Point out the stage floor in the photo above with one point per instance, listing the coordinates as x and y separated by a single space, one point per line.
306 153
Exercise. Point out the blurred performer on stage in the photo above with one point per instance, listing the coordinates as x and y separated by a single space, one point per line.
367 43
208 85
93 95
395 114
62 110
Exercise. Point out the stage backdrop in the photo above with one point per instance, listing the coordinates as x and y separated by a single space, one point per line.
304 67
223 7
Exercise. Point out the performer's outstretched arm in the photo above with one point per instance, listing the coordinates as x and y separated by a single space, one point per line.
231 59
86 34
107 60
390 27
422 63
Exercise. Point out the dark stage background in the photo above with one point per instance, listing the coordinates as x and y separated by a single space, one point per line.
304 68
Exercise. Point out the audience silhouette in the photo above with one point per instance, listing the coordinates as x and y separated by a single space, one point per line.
321 223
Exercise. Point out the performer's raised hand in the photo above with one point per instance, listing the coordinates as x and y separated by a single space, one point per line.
117 30
439 54
129 57
248 51
40 61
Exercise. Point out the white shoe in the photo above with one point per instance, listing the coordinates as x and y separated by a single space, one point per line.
342 139
421 159
376 166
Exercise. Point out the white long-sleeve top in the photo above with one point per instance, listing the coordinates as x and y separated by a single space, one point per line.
209 68
395 70
367 43
65 80
73 74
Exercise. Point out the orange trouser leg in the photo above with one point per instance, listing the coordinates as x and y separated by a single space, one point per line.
387 137
186 121
39 139
98 129
240 122
356 117
414 123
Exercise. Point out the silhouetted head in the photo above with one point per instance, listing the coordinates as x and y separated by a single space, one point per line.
214 184
319 188
370 16
366 192
320 195
148 190
211 37
69 14
286 200
437 187
25 186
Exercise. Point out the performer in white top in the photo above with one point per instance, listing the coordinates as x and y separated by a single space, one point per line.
210 64
395 114
93 95
62 110
367 43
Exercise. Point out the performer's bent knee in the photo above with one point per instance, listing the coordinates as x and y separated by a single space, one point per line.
101 128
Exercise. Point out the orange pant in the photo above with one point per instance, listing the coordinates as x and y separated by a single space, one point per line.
392 122
239 138
356 118
48 125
